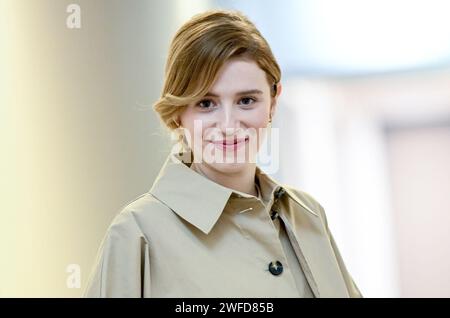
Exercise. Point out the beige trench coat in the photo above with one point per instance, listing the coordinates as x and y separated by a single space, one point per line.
191 237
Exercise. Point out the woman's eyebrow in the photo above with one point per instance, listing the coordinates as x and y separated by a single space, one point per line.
251 91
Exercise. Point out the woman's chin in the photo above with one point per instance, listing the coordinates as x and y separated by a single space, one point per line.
226 161
229 167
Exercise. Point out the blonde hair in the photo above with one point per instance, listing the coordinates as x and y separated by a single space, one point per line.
197 52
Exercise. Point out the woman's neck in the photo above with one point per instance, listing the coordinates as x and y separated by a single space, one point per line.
243 181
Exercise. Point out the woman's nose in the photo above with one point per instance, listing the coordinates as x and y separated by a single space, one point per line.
228 119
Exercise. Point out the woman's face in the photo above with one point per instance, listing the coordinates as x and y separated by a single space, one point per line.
226 127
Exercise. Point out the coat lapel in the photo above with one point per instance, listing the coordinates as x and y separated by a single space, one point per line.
312 246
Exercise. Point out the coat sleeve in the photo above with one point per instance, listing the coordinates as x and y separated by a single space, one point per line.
353 290
122 265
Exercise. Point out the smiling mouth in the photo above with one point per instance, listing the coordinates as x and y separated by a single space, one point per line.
230 142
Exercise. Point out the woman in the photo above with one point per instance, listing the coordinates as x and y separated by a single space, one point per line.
213 224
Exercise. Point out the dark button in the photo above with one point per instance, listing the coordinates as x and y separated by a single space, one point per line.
276 268
280 191
273 214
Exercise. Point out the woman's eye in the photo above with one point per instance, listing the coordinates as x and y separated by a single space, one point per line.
248 101
205 104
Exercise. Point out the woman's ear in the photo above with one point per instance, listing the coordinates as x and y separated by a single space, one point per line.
274 103
279 88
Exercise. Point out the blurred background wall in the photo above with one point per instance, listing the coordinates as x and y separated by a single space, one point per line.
366 99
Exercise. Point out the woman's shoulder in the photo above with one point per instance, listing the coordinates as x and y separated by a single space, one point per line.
307 199
143 209
303 195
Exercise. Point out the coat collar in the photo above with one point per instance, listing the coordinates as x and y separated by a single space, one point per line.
184 191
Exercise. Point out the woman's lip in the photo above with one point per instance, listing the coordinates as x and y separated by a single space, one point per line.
230 147
224 142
